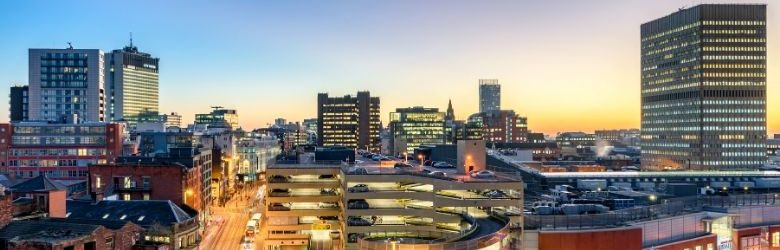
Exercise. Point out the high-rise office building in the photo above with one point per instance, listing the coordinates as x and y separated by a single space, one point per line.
412 127
18 105
489 95
132 84
704 88
350 121
66 83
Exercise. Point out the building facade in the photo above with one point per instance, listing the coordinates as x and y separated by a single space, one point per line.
704 88
59 151
132 84
66 82
219 117
412 127
489 95
499 126
19 103
350 121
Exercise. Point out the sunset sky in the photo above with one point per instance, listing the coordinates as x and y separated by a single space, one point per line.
567 65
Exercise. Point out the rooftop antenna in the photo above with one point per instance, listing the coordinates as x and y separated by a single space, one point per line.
216 107
131 39
70 46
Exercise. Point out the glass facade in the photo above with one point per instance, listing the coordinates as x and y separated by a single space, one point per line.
489 95
412 127
704 89
132 84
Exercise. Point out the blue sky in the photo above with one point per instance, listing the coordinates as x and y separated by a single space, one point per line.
567 65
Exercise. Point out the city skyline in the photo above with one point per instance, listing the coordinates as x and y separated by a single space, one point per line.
320 48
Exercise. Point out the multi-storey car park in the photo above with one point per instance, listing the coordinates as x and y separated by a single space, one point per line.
373 206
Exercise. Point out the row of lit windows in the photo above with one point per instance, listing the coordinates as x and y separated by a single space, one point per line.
733 66
734 40
739 48
733 74
743 154
734 119
59 152
733 57
671 31
734 128
743 145
673 87
729 32
734 83
736 111
734 22
672 112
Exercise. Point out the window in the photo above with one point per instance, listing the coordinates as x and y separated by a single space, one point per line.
110 243
146 197
775 239
97 181
126 197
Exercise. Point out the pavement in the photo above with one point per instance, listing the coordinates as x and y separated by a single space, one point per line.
228 225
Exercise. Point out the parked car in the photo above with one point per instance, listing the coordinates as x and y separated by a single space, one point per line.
359 171
328 218
326 176
483 174
428 163
359 188
358 221
327 192
279 178
376 157
358 204
328 205
280 192
494 194
442 164
278 207
402 165
438 174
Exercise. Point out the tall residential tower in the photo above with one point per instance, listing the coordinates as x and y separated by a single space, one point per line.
66 83
489 95
704 88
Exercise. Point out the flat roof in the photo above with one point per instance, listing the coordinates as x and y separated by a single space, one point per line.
662 174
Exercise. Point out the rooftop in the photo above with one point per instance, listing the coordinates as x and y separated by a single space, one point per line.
40 183
142 212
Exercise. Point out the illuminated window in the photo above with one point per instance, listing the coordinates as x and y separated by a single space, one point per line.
776 239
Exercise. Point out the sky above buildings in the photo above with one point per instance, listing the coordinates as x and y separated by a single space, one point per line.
567 65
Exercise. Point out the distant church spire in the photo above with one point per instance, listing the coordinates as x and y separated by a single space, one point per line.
450 116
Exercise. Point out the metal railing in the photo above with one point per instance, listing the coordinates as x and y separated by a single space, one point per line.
670 207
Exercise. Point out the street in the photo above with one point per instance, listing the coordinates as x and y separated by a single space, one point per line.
229 222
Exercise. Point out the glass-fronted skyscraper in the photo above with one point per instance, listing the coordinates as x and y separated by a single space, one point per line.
703 88
222 118
489 95
132 84
66 83
412 127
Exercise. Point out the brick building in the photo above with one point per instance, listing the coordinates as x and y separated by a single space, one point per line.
60 151
161 181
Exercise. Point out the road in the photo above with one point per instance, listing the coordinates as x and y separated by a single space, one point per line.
229 227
